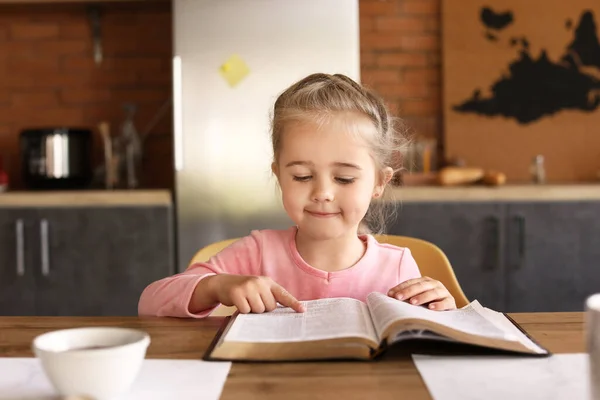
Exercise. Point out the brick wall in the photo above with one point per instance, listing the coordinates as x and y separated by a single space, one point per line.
400 58
49 77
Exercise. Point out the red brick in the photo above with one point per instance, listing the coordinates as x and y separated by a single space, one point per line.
381 41
420 7
420 42
432 24
84 95
59 116
117 32
393 107
403 90
4 97
139 46
9 115
151 78
401 24
33 99
95 112
92 78
156 176
34 30
402 60
35 65
84 62
428 126
378 7
422 75
5 130
18 49
17 80
115 64
158 19
419 107
46 116
435 59
366 24
124 79
367 59
62 80
139 95
139 64
76 29
63 47
375 76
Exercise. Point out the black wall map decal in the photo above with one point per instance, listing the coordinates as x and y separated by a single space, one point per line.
537 87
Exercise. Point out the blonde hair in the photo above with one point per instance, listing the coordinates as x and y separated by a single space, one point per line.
318 96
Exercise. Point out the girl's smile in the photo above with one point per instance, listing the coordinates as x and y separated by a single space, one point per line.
318 214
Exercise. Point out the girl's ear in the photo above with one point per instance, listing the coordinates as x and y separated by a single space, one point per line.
387 173
275 169
384 178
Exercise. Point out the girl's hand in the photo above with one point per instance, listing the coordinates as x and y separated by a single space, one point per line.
255 294
424 290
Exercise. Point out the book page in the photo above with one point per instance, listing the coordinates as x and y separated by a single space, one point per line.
386 310
421 334
503 323
323 319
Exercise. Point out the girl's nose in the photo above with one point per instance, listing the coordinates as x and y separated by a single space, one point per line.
322 193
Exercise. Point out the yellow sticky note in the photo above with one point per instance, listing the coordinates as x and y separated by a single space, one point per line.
234 70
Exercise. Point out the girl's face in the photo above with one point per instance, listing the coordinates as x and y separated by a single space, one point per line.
327 175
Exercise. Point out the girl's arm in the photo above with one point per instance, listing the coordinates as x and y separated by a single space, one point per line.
246 292
172 296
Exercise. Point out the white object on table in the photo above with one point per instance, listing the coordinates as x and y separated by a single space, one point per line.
592 341
23 378
558 377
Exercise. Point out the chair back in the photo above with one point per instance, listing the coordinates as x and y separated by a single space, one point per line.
205 253
432 262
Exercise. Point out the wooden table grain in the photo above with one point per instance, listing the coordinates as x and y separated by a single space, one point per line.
391 377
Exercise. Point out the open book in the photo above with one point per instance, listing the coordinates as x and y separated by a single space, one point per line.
345 328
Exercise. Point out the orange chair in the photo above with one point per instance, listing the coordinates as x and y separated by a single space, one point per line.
207 252
430 258
432 262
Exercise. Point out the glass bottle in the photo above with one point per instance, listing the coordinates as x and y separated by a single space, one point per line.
538 170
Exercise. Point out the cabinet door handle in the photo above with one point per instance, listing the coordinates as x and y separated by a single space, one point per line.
45 247
520 223
493 246
19 233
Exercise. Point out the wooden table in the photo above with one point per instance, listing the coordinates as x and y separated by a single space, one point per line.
389 378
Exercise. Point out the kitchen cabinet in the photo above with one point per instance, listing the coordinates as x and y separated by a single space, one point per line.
555 255
87 261
17 283
530 256
468 233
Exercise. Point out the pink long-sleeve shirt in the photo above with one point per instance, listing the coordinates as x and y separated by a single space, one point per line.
273 253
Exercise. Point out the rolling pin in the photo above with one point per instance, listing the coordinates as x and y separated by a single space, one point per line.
450 176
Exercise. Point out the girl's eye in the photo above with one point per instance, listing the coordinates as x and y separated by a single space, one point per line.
302 178
345 181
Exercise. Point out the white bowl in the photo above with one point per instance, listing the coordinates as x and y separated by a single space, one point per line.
101 362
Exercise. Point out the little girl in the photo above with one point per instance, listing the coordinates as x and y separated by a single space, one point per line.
333 144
